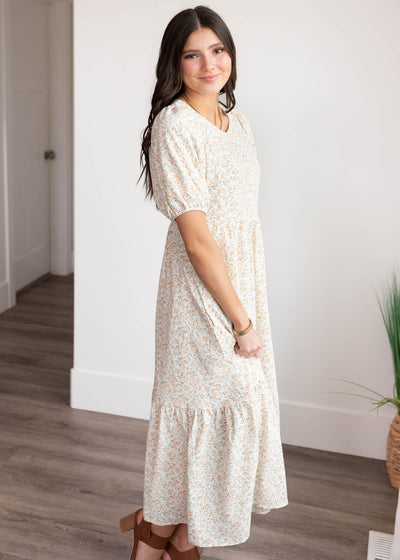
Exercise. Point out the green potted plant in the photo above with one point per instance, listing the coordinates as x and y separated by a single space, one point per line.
390 310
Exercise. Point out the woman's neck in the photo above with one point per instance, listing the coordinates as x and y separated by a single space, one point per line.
207 105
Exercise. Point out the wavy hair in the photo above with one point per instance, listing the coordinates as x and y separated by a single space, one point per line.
169 84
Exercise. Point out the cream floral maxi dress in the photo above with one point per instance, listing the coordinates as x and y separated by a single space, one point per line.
214 451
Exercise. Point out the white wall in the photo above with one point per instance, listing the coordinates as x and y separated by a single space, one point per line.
319 83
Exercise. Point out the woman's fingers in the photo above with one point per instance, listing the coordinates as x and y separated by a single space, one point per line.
250 353
249 345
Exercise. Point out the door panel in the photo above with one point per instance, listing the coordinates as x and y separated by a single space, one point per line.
29 137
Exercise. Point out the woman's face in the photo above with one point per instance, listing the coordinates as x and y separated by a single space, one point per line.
205 55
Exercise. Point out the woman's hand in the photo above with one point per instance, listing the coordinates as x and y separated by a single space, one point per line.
248 345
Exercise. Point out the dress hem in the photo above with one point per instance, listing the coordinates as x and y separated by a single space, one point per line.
267 509
255 509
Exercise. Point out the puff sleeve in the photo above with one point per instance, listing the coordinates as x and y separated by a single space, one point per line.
177 169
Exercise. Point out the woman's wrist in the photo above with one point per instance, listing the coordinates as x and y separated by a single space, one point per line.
241 323
244 331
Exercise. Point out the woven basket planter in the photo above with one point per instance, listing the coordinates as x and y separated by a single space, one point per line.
393 452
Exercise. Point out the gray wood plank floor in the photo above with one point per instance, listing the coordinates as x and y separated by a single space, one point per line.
67 476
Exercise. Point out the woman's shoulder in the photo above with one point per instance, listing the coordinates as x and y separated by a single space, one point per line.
243 120
174 125
174 117
178 118
179 113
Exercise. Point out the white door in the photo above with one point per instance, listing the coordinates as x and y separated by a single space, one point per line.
28 140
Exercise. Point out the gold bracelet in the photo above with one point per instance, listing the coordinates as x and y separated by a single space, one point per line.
246 330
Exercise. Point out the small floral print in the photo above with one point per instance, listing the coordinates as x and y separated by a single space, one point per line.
214 452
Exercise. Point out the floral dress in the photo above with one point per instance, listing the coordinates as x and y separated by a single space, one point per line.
214 452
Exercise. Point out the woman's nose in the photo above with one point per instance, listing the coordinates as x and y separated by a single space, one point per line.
208 63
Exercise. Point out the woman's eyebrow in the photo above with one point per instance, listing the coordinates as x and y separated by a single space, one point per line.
210 47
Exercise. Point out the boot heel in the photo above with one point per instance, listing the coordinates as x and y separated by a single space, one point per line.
127 523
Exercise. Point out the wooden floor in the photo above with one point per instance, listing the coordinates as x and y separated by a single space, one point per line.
67 476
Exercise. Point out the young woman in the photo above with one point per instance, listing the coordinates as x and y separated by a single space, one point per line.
214 453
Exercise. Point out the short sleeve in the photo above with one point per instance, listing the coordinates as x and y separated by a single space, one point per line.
177 168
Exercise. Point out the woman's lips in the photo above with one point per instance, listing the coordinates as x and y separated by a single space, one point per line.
210 78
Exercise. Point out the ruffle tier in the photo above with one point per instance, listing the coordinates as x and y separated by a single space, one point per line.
212 467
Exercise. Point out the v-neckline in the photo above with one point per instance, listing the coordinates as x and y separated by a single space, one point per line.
205 118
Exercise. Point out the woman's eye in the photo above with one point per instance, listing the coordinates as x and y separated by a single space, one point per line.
219 49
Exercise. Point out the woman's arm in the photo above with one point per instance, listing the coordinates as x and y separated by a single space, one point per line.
207 260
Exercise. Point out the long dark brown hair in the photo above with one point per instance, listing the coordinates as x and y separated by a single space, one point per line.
169 83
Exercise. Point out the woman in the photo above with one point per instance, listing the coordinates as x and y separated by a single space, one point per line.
214 453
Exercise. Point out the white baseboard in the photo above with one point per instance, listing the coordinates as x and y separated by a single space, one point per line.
4 302
306 425
112 393
336 429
